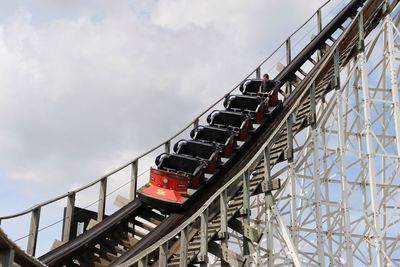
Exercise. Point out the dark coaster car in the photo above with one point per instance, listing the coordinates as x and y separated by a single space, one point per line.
251 87
236 121
223 138
182 166
252 105
206 152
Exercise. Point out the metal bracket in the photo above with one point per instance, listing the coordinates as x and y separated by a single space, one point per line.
271 185
231 257
251 233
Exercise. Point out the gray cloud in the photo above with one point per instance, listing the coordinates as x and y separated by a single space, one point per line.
89 85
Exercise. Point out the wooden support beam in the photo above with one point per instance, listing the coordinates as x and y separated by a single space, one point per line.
33 231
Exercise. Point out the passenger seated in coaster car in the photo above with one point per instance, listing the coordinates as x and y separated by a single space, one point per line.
207 152
223 138
251 105
270 88
177 172
236 121
266 88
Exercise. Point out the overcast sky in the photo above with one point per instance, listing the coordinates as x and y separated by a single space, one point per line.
88 85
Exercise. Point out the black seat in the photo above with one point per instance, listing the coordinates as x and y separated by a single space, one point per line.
236 121
223 138
207 152
184 165
251 86
179 163
251 105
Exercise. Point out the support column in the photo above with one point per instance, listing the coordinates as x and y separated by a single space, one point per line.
203 258
317 193
184 247
342 164
142 262
246 217
358 104
393 81
291 179
223 234
269 238
329 215
163 252
268 201
376 231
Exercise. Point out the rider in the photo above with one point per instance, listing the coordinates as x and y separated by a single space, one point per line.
270 88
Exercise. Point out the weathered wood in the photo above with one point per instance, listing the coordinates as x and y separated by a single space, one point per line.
69 214
33 231
102 200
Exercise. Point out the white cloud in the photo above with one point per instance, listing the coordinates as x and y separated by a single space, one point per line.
87 86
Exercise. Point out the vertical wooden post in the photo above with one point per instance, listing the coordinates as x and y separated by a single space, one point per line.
163 255
258 73
33 231
102 199
167 146
288 51
223 200
246 217
134 176
202 257
184 248
143 262
196 123
313 106
289 126
223 234
69 214
288 60
319 25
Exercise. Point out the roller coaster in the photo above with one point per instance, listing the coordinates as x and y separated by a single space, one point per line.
199 197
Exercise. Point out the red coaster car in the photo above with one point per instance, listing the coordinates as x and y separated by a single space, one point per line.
235 121
169 183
